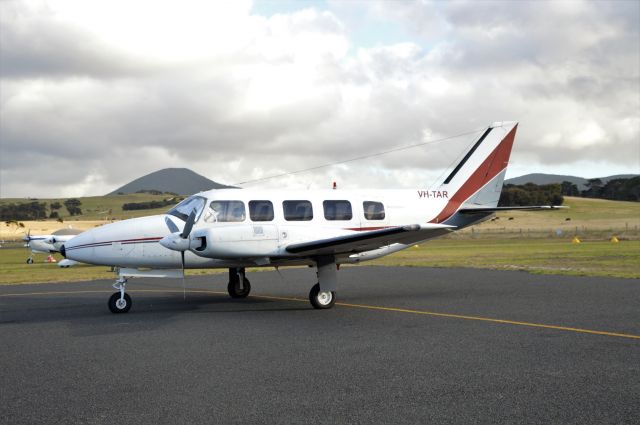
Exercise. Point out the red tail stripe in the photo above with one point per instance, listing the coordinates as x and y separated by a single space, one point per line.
491 167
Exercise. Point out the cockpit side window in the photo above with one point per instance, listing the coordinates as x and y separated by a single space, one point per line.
225 212
184 208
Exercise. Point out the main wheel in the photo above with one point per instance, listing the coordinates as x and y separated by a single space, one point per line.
235 291
321 300
29 260
116 305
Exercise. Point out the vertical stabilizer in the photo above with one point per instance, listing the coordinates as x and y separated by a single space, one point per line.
476 181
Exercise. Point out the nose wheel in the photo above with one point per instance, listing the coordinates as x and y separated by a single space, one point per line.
120 302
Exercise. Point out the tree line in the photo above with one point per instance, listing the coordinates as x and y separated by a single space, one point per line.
530 194
615 189
35 210
148 205
553 194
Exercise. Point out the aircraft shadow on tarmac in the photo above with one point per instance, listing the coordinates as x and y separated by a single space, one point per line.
87 314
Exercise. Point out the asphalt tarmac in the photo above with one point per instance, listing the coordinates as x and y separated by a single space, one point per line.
407 345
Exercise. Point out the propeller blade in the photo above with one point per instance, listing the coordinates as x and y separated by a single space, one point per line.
188 225
171 225
184 285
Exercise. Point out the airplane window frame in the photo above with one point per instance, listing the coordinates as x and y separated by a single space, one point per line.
261 202
375 215
296 203
331 207
176 211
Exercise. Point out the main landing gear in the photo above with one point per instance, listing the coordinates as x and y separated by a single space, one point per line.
323 295
120 302
238 286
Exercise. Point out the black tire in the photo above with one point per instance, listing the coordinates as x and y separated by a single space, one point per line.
113 303
321 301
29 260
236 292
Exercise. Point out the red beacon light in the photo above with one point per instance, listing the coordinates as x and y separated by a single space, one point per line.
335 185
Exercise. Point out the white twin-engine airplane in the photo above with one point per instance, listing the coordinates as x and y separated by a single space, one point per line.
235 229
48 244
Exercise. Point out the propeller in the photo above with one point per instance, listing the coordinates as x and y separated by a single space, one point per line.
179 241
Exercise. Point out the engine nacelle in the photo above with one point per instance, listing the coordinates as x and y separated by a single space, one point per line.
237 241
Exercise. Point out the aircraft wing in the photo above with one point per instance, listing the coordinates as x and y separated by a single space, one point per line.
370 240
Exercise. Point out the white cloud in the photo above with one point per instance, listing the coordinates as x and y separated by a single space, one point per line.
99 93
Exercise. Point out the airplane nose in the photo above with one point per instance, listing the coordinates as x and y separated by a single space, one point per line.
63 251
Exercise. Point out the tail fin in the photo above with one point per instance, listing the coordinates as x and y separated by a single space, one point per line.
476 181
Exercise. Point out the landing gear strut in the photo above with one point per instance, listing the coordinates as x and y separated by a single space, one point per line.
239 286
120 302
322 295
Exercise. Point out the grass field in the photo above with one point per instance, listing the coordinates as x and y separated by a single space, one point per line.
550 256
537 242
582 216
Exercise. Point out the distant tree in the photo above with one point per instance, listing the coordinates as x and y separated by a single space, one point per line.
594 189
622 189
24 211
73 206
569 189
531 194
54 214
54 206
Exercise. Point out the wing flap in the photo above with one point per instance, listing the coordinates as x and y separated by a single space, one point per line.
369 240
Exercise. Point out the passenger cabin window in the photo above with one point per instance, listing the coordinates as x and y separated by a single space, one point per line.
261 210
337 210
225 212
297 210
373 210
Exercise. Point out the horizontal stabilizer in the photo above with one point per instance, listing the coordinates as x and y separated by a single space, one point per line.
515 208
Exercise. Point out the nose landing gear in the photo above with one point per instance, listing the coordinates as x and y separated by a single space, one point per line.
120 302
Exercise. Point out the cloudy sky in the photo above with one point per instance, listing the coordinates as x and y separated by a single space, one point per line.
95 94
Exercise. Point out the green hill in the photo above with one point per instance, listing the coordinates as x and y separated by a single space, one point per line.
103 207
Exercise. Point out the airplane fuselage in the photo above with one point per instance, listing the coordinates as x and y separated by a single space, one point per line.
252 227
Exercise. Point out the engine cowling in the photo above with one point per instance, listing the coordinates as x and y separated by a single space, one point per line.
237 241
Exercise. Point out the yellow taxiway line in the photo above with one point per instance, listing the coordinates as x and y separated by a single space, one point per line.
359 306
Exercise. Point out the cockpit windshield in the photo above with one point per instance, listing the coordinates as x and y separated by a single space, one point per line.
184 208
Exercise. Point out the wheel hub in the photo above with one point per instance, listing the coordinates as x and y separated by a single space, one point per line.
324 298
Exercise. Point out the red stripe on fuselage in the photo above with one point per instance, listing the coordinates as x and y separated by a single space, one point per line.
491 167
